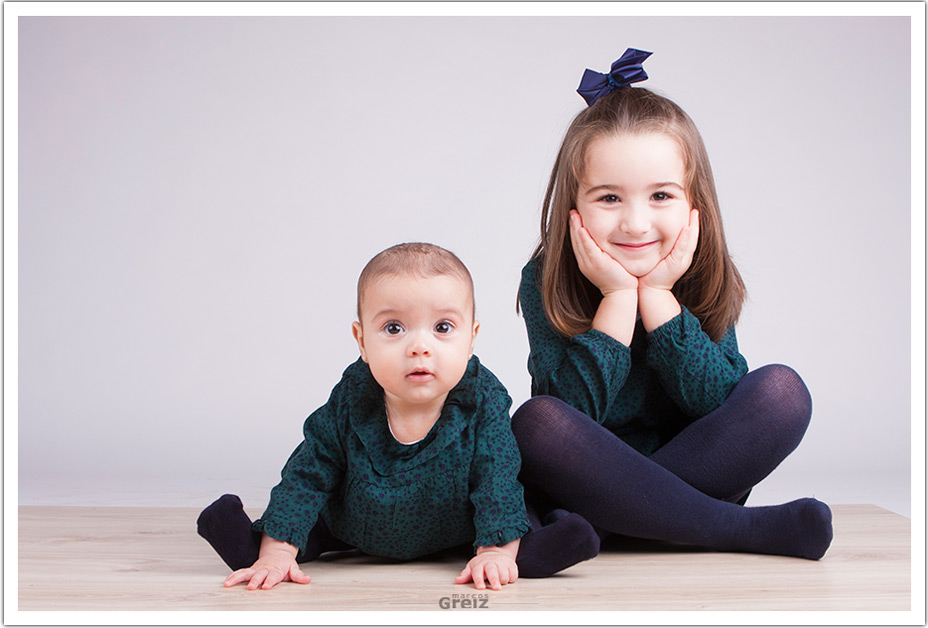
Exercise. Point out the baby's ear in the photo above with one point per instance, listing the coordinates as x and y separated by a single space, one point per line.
358 332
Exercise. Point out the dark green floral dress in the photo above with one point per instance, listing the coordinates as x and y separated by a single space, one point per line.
455 486
646 393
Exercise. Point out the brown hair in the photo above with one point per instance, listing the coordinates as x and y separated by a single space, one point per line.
417 259
711 288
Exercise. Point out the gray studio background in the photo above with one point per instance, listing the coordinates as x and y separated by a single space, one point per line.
198 195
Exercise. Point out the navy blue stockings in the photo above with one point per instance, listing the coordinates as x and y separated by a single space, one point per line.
684 491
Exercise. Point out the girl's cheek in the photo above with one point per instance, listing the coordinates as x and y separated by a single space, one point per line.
597 232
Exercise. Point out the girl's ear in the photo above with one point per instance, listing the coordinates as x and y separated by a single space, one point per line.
358 334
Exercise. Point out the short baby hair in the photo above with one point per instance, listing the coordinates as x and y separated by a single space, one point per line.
417 259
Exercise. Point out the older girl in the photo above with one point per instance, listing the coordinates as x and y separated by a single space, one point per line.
645 420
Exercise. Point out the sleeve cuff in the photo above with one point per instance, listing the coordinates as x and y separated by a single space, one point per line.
599 343
288 533
502 536
670 338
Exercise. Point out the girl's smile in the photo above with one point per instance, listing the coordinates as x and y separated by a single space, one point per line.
631 246
631 198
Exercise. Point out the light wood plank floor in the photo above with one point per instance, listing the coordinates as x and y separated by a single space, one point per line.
152 559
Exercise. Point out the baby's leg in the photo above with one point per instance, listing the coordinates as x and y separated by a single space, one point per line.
321 541
227 528
590 471
730 450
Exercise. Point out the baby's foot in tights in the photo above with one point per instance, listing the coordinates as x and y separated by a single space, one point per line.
228 529
565 540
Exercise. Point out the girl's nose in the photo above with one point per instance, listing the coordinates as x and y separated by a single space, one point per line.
634 220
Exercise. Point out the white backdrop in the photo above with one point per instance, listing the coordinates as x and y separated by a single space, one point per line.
197 197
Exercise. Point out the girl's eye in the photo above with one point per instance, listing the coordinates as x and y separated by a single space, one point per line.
393 328
609 198
444 327
662 196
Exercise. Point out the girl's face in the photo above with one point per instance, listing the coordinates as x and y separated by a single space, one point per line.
631 198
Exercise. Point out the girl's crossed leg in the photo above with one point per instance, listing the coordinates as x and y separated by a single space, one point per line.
586 469
729 451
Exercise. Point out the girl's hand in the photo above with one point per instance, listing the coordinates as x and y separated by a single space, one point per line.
599 267
276 563
495 565
671 268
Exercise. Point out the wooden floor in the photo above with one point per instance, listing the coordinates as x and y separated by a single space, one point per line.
104 559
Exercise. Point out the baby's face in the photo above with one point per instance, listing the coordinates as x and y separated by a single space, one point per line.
417 334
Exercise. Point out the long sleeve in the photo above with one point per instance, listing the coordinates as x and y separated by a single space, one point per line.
697 373
587 371
497 495
313 472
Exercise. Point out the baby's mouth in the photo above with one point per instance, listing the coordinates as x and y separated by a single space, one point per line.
420 375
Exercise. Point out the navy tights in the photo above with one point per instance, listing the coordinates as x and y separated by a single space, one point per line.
684 491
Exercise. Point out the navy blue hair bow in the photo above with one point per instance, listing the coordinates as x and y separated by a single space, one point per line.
625 71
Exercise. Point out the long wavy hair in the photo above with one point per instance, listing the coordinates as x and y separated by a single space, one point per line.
712 288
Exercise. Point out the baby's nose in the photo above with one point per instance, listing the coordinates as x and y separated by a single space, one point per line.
418 345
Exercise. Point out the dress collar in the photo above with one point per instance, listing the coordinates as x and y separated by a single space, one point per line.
367 418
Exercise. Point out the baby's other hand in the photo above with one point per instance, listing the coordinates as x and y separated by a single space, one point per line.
270 569
492 567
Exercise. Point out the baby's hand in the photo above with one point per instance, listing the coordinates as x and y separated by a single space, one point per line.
599 267
491 564
671 268
276 563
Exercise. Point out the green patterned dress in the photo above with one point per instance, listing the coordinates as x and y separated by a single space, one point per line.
455 486
645 393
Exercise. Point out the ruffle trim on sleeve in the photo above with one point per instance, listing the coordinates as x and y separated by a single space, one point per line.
288 533
502 536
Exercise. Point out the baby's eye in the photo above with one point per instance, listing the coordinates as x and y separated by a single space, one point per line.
393 328
444 327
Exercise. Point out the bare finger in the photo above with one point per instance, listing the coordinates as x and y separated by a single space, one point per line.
464 576
585 248
694 226
492 575
257 579
297 575
273 578
240 575
477 575
503 575
580 236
